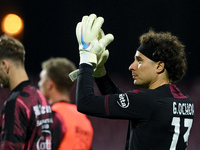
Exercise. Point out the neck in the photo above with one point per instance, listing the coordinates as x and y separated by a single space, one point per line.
160 80
158 84
56 96
16 76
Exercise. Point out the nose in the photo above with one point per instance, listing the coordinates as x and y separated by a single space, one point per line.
132 67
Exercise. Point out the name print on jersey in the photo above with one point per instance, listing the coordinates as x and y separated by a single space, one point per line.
183 108
123 100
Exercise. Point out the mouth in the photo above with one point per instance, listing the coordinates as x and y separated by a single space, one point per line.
134 76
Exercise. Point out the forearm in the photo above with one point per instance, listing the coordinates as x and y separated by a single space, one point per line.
13 131
106 86
106 106
86 101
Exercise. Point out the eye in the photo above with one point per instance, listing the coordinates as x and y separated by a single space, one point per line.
139 60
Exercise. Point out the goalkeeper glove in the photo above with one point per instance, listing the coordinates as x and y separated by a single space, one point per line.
99 71
88 33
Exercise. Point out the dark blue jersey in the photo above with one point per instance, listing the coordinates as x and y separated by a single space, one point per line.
159 119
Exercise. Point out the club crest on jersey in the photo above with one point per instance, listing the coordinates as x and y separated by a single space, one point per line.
123 100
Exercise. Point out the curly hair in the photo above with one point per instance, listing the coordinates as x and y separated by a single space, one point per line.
168 49
58 69
11 48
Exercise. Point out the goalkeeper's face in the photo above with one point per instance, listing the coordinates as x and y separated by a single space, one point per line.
144 70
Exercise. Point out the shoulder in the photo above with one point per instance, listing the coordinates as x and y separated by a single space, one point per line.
67 111
31 95
148 96
29 98
143 93
63 107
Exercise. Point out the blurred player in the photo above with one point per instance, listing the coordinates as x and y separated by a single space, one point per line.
26 115
160 114
56 87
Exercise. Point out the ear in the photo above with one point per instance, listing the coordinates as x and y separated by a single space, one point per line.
50 83
160 67
5 65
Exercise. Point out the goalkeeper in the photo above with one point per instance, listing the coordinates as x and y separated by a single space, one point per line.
160 114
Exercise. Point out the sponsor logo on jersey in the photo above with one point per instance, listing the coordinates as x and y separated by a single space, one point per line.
44 142
123 100
44 121
40 110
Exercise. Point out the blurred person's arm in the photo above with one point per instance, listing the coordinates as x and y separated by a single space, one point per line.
14 129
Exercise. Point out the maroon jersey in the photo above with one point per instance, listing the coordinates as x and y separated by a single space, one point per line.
25 121
58 130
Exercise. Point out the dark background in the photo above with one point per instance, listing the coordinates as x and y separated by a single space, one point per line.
50 27
50 32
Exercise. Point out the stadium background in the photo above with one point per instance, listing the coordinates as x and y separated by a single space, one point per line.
49 31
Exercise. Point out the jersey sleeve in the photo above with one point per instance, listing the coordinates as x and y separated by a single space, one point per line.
129 105
14 132
58 130
106 85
